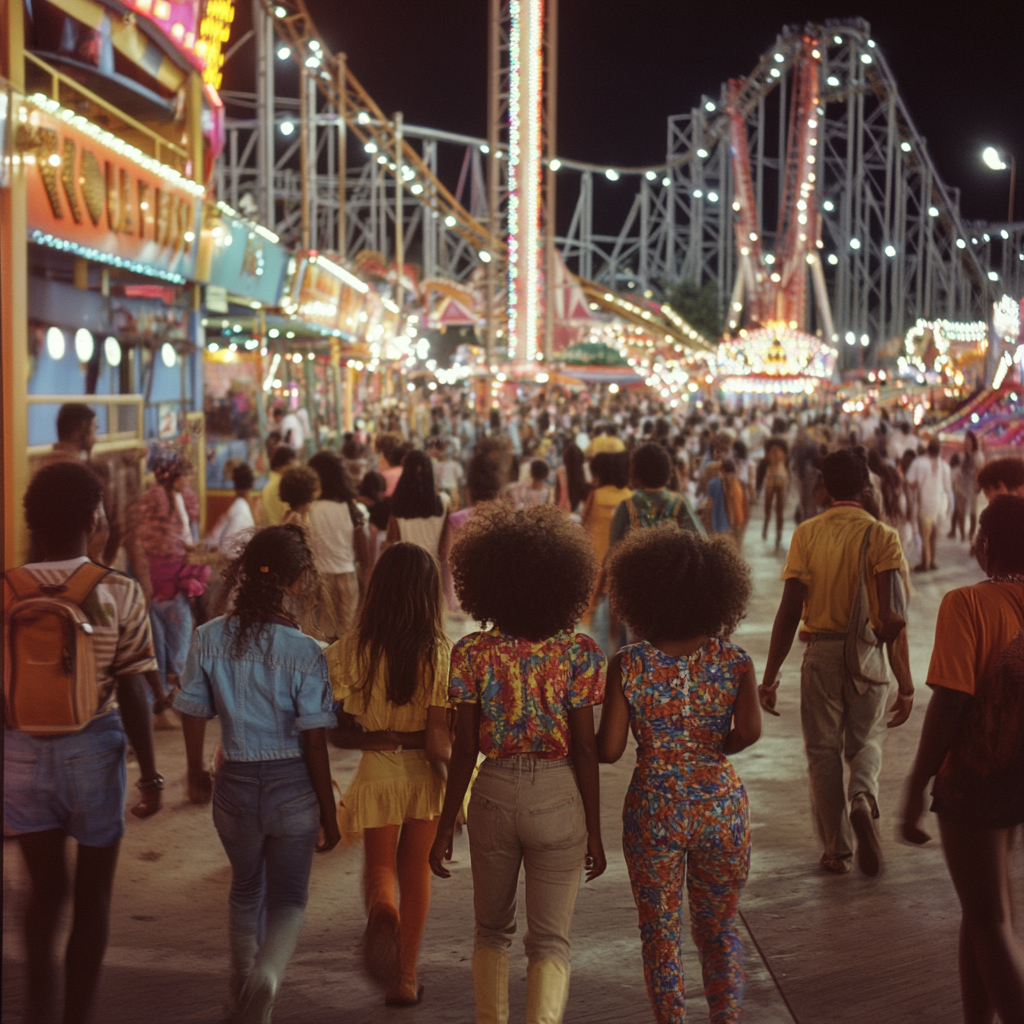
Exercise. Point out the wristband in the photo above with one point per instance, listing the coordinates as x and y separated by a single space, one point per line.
157 783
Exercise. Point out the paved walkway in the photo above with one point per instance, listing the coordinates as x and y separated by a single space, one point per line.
821 949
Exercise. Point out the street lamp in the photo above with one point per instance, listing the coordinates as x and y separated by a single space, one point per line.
996 160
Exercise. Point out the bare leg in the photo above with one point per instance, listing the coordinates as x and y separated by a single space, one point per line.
978 862
44 859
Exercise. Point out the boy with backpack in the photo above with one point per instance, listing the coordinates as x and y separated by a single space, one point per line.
77 643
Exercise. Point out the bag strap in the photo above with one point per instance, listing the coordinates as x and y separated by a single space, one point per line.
83 581
22 583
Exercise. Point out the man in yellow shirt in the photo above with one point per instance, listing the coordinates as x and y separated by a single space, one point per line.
274 508
842 718
605 440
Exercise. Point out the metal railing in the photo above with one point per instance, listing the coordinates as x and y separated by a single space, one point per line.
123 411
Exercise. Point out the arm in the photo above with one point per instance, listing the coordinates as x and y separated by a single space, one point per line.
787 620
891 623
200 784
945 712
613 732
138 724
394 534
460 773
439 741
588 509
746 716
584 760
140 566
314 752
361 550
898 652
353 737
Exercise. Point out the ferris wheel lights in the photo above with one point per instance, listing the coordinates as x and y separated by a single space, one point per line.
280 12
906 147
866 58
851 338
283 53
709 107
363 117
651 175
1004 234
816 54
933 211
986 236
833 81
775 73
555 164
314 45
828 205
961 244
993 159
872 43
890 251
485 256
287 128
666 181
697 193
312 62
779 58
837 39
833 259
416 189
485 149
702 153
611 174
712 197
865 340
769 258
370 147
449 221
993 276
854 243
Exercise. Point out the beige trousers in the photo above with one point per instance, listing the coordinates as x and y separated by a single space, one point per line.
526 811
839 723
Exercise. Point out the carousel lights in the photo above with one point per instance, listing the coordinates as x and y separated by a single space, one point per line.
87 252
122 148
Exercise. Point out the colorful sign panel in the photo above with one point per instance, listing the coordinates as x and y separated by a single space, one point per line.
246 262
91 194
320 297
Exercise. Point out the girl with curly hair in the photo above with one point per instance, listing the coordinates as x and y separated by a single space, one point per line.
689 697
267 682
391 676
525 691
299 488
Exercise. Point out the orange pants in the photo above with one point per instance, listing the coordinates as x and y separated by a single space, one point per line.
398 853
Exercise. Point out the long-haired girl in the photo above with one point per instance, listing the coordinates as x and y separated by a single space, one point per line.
268 684
525 691
391 677
690 699
419 514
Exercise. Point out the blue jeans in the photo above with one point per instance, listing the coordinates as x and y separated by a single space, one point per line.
172 634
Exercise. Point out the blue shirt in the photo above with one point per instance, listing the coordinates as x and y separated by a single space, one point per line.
264 698
719 509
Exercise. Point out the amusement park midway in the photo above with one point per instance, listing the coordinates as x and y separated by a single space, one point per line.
502 470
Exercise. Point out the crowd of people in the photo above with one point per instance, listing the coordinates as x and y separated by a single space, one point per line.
600 550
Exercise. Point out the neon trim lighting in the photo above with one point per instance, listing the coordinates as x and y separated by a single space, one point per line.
524 173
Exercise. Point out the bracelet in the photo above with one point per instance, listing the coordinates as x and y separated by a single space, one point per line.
157 783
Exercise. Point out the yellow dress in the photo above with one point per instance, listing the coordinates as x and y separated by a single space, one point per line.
598 522
389 787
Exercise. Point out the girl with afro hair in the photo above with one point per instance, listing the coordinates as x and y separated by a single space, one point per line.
689 697
524 690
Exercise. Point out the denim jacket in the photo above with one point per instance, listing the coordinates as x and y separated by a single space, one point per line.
264 698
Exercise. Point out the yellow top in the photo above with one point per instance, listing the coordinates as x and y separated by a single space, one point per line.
273 507
825 555
599 514
605 443
379 714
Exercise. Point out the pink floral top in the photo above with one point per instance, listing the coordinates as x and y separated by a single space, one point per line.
157 524
526 688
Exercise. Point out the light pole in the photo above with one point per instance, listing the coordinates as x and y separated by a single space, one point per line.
996 161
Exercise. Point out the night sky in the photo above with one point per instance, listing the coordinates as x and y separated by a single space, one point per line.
624 67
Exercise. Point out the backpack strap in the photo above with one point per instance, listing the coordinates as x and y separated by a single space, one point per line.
22 583
83 581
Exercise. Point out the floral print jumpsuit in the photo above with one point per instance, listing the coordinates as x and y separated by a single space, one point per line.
685 821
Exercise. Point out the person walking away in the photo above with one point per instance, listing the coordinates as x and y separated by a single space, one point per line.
960 497
570 482
290 428
776 486
159 539
390 677
337 526
299 488
238 518
267 683
447 472
685 820
842 717
729 508
929 478
371 494
419 514
525 692
68 778
391 452
611 477
273 508
970 464
535 490
972 744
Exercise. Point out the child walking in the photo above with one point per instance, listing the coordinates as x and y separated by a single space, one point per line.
525 690
391 676
267 682
690 699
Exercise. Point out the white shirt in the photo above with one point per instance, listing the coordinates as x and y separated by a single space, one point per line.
934 484
235 521
292 433
331 530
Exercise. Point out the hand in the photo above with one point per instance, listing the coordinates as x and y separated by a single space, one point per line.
901 709
767 695
913 808
200 786
442 851
595 862
329 835
149 803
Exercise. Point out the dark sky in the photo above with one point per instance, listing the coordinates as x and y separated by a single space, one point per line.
625 66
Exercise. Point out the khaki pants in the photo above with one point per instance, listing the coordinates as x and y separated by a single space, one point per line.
839 722
526 811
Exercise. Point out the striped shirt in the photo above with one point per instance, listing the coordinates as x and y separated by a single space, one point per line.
116 610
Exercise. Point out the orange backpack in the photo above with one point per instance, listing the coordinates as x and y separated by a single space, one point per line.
50 684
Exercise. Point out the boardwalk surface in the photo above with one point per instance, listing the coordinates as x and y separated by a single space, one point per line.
821 949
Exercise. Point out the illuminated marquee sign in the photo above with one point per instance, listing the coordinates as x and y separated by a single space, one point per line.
92 194
320 296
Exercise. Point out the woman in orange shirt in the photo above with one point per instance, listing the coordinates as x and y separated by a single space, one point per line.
972 743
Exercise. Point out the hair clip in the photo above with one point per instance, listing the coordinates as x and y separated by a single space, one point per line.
264 568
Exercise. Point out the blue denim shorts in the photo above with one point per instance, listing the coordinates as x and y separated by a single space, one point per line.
76 783
172 634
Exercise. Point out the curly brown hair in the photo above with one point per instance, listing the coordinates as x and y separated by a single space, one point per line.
299 486
530 573
672 584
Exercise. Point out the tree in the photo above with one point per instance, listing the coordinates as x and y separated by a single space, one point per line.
698 306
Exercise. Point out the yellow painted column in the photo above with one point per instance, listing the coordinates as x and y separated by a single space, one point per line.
14 301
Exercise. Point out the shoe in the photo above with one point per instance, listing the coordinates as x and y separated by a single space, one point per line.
920 568
835 865
401 998
381 945
932 567
869 845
